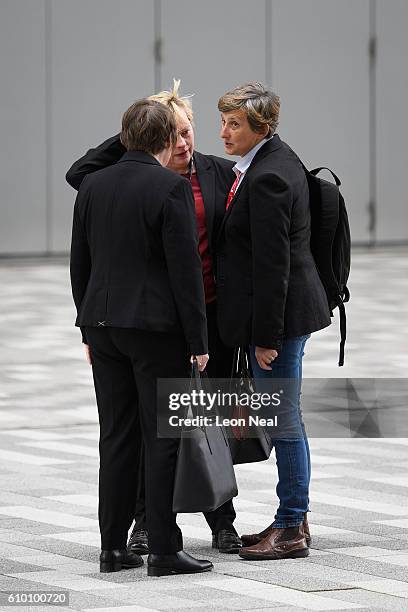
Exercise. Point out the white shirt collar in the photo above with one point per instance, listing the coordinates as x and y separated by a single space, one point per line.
243 164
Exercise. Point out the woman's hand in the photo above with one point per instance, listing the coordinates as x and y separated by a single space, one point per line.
201 361
265 356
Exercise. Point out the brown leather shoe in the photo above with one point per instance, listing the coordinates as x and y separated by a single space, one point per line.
288 543
254 538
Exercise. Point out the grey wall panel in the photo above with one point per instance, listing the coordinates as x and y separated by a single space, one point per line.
70 67
212 47
22 128
392 124
320 69
101 61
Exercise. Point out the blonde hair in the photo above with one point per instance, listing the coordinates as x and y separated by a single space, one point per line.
174 101
260 104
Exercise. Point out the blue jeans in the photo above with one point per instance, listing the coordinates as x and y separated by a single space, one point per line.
292 455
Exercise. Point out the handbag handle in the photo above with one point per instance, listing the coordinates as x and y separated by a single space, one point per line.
241 370
197 377
195 373
241 364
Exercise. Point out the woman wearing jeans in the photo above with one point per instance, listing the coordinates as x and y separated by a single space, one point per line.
269 292
292 453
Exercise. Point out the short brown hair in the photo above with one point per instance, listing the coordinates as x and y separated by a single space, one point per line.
260 104
148 126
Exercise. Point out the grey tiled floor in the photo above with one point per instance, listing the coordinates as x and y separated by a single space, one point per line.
48 468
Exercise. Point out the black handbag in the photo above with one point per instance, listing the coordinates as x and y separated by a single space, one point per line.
248 443
205 477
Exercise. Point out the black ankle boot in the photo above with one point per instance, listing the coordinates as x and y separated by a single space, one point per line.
139 542
115 560
227 541
176 563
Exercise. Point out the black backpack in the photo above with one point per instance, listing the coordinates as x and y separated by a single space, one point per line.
330 243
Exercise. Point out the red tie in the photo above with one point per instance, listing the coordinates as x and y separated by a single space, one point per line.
233 189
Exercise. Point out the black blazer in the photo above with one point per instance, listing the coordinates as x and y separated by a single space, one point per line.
268 287
215 176
134 253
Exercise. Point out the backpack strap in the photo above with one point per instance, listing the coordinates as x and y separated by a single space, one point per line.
317 170
342 312
328 218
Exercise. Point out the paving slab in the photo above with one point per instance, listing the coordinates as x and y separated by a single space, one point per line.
48 470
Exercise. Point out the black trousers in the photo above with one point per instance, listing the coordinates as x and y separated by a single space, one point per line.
219 366
126 364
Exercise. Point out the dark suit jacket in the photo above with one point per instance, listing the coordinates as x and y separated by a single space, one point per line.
268 287
134 254
215 176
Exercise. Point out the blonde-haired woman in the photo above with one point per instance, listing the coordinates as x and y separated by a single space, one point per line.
211 178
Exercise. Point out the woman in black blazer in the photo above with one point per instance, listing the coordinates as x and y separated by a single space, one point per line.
137 285
269 293
211 178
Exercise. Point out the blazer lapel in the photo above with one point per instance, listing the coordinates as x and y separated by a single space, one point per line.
236 194
273 144
206 179
232 204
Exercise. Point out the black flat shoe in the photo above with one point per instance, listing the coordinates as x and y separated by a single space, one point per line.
227 541
115 560
138 542
176 563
